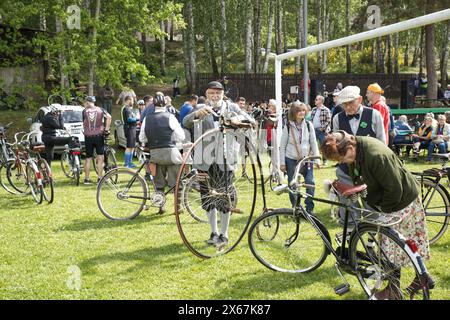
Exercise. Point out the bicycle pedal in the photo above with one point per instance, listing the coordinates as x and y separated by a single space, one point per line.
342 289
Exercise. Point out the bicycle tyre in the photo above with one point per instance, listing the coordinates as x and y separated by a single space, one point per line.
377 266
48 188
4 178
437 222
118 182
284 251
193 232
33 183
17 177
66 165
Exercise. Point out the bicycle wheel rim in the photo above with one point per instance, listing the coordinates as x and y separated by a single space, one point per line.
47 180
66 166
384 264
113 190
35 188
285 242
437 209
4 179
195 233
17 178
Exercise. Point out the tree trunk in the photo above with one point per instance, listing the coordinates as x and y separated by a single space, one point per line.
279 28
93 61
389 53
416 51
269 37
444 57
64 80
396 53
223 37
299 35
406 55
430 55
319 34
372 57
212 52
380 56
171 29
256 35
347 31
248 38
284 35
190 57
163 50
325 33
421 55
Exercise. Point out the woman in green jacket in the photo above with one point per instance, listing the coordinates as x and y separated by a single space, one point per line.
390 188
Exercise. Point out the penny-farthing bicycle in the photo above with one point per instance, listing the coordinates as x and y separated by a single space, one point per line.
216 186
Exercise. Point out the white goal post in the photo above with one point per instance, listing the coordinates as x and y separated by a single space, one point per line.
375 33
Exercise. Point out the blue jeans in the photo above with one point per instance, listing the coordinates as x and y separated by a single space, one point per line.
308 173
320 135
441 146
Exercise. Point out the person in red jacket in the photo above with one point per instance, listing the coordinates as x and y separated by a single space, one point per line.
373 95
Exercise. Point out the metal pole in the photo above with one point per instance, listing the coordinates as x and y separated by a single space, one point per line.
305 44
375 33
279 97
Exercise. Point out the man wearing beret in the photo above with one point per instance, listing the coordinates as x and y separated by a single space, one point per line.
373 95
209 156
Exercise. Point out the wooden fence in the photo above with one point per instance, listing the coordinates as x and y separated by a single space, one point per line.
258 87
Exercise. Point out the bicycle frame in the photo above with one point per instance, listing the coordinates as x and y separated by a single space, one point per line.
341 259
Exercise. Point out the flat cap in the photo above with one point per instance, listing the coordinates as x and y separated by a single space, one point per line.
215 85
349 93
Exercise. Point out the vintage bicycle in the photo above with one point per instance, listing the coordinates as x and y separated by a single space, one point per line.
436 198
295 241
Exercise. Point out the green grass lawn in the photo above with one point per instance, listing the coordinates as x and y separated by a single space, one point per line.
42 245
145 258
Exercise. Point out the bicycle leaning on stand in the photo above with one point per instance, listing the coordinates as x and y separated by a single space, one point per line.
295 241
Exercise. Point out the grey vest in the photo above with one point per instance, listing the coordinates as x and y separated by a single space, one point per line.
158 131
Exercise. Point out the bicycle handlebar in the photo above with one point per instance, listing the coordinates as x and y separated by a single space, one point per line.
293 184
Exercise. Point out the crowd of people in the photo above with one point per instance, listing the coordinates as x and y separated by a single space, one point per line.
363 140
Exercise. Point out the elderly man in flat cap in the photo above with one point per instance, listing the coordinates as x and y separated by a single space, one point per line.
208 158
356 120
373 94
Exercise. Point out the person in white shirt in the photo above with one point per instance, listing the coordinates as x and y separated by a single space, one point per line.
161 131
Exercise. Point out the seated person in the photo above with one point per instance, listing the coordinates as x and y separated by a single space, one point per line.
422 139
439 137
403 133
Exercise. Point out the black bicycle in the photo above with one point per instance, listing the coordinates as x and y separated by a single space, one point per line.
110 161
122 193
6 157
436 198
295 241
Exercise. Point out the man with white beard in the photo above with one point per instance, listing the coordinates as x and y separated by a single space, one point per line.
207 117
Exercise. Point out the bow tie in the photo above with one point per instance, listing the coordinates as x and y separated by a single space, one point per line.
351 116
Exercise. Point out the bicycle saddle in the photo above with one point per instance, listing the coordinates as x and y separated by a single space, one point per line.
38 148
348 190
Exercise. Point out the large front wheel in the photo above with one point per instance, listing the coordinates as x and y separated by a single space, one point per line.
287 242
210 199
121 194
